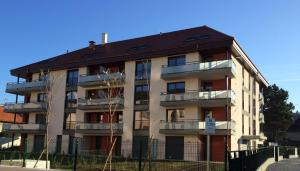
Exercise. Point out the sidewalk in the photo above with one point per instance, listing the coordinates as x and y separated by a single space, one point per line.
286 165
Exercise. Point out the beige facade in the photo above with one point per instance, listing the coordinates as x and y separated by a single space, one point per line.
207 93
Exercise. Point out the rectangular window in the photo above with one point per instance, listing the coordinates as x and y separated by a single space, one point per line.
177 87
254 107
141 120
71 144
40 119
249 105
143 70
243 75
141 94
38 144
71 99
175 115
69 121
207 86
41 97
176 60
249 82
254 127
243 126
254 86
72 78
243 100
58 143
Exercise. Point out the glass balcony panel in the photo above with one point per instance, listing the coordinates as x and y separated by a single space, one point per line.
26 86
117 77
99 126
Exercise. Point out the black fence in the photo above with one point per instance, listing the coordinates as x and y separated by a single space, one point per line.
130 157
251 160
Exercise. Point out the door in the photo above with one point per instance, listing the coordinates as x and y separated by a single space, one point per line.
38 145
174 147
139 146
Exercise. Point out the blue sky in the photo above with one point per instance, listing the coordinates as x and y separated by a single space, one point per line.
267 30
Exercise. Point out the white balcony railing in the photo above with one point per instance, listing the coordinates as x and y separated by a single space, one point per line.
199 66
27 86
23 127
98 126
198 95
195 125
25 107
116 77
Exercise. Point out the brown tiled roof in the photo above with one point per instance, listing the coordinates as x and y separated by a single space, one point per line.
182 41
9 117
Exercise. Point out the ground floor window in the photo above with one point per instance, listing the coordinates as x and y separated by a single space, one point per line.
38 144
174 147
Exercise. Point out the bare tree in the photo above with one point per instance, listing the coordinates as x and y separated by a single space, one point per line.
112 97
51 82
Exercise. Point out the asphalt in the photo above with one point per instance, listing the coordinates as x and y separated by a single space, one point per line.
285 165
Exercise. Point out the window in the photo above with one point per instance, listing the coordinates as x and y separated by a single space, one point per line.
40 119
71 145
176 60
72 78
254 127
58 143
141 94
243 100
71 99
175 115
143 70
254 107
243 76
69 121
141 120
207 86
243 126
178 87
42 97
254 86
249 105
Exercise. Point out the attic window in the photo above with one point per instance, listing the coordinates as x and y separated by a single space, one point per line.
140 47
194 38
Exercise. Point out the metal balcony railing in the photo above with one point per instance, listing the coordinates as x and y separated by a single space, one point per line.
199 66
195 125
198 95
25 107
36 85
23 127
102 79
98 126
100 103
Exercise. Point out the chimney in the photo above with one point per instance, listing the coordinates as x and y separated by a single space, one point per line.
104 38
92 45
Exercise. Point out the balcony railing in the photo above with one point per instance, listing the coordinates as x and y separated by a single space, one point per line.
116 78
25 107
23 87
198 67
213 98
194 126
103 103
29 127
102 128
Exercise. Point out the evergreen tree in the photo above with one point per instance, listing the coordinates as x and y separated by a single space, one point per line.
278 113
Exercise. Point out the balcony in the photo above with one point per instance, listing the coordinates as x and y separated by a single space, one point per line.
25 107
205 70
194 127
24 128
117 78
202 98
262 136
261 99
103 103
26 87
99 128
261 118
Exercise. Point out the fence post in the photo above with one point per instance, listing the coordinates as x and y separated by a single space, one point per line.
75 157
276 153
24 154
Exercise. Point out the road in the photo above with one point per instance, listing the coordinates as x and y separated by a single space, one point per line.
285 165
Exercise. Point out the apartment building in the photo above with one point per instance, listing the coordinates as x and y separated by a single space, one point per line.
161 87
